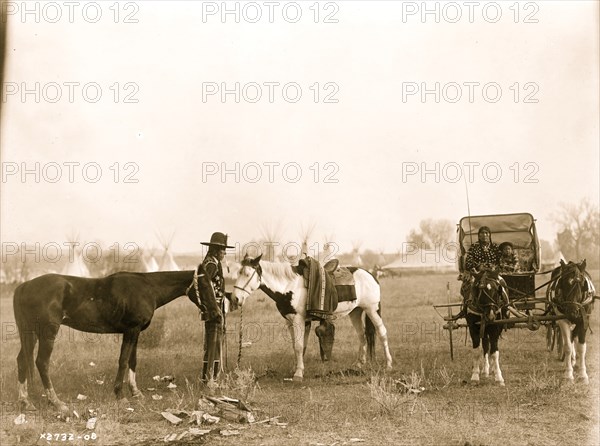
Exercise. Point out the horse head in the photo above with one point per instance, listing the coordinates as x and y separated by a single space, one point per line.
248 280
489 297
202 294
570 287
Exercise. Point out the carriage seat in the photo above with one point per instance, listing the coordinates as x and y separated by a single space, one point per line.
526 259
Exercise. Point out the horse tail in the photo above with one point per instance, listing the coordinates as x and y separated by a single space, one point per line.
27 335
370 334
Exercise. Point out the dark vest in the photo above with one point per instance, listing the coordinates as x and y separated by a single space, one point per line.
215 270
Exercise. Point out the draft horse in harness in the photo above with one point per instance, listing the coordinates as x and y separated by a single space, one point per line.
282 283
488 301
123 302
571 293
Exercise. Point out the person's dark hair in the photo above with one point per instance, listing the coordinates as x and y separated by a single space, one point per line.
505 244
484 228
214 250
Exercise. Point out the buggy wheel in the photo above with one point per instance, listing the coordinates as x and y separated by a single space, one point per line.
550 337
560 348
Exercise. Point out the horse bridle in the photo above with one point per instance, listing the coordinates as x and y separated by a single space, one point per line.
256 271
496 307
574 284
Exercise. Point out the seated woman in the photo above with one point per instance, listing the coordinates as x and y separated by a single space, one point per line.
509 262
482 255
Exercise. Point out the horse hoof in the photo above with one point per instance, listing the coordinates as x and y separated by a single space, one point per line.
27 406
474 382
297 379
584 380
500 383
138 394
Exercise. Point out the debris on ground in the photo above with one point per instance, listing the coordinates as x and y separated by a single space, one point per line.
232 409
210 419
81 397
91 423
407 387
171 418
157 397
172 386
20 419
229 432
92 364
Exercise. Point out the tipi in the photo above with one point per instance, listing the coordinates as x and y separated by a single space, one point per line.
167 262
149 263
355 259
77 266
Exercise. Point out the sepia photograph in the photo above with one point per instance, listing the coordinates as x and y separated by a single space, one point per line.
316 223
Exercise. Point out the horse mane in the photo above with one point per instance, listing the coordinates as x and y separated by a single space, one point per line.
279 270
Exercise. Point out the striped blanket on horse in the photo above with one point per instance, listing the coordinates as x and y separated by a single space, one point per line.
322 295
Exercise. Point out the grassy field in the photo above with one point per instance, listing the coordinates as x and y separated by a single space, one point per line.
333 405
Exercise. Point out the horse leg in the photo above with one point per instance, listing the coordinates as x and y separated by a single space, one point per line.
357 323
474 333
565 328
129 340
306 333
494 333
581 350
24 365
135 392
42 362
377 321
485 344
296 327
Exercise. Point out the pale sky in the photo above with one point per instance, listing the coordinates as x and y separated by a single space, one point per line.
372 135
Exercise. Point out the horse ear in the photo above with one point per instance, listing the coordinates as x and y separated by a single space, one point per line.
582 265
257 260
562 262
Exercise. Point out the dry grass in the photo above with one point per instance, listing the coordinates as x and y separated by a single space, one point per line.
333 404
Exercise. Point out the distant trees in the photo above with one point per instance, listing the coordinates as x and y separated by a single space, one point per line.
432 232
578 233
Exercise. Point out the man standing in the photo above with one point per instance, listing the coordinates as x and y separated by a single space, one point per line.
213 330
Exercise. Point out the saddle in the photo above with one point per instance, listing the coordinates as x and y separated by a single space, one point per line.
327 285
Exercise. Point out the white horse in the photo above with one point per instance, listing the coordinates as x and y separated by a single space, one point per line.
284 285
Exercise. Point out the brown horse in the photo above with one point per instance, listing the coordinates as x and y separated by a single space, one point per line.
571 294
123 302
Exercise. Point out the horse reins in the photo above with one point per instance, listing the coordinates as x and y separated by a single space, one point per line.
195 285
239 358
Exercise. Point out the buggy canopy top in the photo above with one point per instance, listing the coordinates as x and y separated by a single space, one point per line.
519 229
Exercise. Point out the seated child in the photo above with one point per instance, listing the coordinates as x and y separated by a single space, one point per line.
509 263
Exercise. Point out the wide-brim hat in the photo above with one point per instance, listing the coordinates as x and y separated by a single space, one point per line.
218 239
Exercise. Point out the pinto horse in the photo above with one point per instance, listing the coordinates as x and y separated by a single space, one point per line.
123 302
488 300
571 294
282 283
